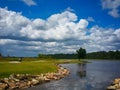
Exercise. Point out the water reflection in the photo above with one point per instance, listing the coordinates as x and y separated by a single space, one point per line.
81 70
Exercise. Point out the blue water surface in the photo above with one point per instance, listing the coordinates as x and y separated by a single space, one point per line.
96 75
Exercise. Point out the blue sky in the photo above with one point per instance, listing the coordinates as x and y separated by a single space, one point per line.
29 27
45 8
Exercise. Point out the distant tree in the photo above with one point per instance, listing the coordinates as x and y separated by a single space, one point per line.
117 55
104 55
81 53
43 56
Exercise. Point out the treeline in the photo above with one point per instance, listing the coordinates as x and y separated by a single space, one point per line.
115 55
63 56
104 55
94 55
57 56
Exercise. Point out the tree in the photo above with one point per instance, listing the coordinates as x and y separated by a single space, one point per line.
81 53
43 56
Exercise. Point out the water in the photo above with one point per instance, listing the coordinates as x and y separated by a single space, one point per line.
92 76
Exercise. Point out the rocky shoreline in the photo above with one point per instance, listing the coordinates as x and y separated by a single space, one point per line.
115 85
19 81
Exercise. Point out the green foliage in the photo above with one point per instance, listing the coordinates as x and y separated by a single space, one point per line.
104 55
81 53
63 56
92 55
43 56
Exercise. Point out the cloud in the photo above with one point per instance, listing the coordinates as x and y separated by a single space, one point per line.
112 6
11 22
70 9
30 2
59 33
90 19
114 13
57 27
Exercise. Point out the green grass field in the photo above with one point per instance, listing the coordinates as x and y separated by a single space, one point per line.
30 66
26 68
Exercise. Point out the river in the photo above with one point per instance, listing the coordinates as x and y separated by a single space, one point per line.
96 75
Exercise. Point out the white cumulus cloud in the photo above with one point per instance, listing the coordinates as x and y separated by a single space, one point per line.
112 6
11 22
59 26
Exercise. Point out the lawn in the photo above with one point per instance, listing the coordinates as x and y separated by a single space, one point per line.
30 66
26 68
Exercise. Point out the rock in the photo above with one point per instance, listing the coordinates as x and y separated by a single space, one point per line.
29 84
40 78
55 78
119 84
116 81
46 79
16 80
11 80
23 85
6 80
11 76
115 85
3 86
34 82
111 88
17 75
12 85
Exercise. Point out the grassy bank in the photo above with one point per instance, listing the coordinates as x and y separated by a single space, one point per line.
30 66
26 68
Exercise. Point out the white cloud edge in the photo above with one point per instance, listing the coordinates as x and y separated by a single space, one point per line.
29 2
112 6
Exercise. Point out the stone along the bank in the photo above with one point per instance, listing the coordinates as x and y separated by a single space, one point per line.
16 81
115 85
